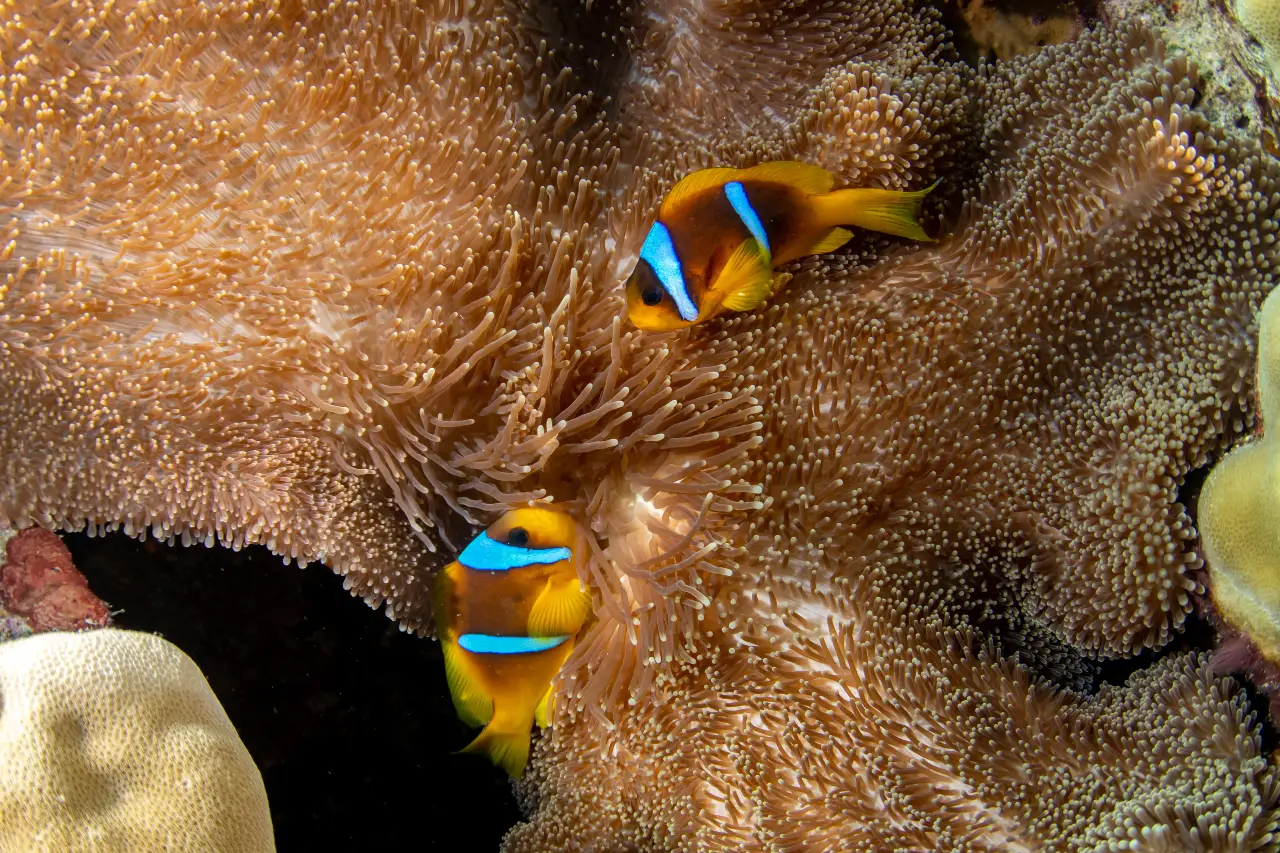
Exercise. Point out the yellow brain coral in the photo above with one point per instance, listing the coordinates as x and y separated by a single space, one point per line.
1240 510
113 743
1262 19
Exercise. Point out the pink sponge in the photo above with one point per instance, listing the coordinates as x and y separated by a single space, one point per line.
39 583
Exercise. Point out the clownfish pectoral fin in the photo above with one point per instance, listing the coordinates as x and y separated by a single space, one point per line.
559 610
469 700
801 176
542 713
887 211
829 242
747 278
508 750
692 184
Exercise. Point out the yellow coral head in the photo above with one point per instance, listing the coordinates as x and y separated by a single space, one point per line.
1269 361
1240 510
1262 19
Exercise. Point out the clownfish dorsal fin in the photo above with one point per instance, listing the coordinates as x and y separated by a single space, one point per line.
746 279
691 185
469 700
802 176
559 610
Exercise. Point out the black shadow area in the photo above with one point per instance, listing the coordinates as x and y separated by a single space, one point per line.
348 719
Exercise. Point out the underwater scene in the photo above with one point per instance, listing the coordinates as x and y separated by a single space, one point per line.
725 426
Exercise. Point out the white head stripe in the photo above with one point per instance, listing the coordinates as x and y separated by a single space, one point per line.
489 555
742 206
660 254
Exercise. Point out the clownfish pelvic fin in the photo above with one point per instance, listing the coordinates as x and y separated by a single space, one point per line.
886 211
747 277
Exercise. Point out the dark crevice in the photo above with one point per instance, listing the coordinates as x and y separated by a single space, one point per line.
592 39
348 718
1197 635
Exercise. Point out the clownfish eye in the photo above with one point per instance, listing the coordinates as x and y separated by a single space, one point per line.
652 295
518 537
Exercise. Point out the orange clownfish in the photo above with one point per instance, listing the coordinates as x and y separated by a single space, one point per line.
721 232
507 612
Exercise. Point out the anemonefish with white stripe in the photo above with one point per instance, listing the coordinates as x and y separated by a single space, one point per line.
507 612
721 232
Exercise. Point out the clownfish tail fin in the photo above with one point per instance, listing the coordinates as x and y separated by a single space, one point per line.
886 211
508 750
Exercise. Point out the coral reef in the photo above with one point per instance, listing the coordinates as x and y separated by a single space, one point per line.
142 760
1239 520
1238 83
11 626
39 585
346 280
306 673
1262 19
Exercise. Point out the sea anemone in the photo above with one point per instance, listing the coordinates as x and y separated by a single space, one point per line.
345 280
847 718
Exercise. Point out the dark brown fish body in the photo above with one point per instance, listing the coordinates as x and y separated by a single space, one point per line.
708 226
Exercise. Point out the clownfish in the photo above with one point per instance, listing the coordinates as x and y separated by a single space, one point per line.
721 232
507 612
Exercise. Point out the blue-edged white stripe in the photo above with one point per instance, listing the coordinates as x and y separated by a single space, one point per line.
489 644
489 555
742 206
660 254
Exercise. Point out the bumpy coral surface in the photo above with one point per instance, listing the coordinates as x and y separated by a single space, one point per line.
114 743
346 280
1240 511
1262 19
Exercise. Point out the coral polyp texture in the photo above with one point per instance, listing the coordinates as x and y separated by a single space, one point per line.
346 280
114 743
1240 511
